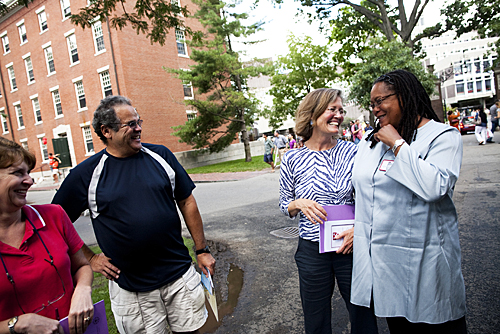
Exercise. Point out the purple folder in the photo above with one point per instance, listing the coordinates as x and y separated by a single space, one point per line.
335 212
99 324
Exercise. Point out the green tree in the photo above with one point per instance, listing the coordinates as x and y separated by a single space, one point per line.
381 58
154 18
222 101
305 68
482 16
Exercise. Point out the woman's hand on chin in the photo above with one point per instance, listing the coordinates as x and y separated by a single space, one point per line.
388 135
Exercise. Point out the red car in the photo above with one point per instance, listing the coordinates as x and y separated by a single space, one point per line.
466 124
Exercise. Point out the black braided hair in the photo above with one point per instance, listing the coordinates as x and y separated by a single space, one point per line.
413 102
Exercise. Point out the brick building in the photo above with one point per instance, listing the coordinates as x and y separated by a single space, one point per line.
54 74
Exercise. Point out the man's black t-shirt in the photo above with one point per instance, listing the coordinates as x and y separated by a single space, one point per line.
134 213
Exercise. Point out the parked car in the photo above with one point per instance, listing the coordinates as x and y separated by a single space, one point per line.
466 124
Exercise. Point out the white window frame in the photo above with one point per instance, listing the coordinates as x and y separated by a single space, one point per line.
105 79
49 56
24 143
98 33
43 148
55 96
190 113
181 40
178 3
3 119
87 135
12 76
41 16
66 14
19 115
21 28
187 85
78 82
5 42
35 102
27 64
71 39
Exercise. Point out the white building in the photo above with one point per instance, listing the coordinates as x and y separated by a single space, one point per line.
464 67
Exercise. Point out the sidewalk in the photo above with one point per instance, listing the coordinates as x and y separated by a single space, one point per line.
48 184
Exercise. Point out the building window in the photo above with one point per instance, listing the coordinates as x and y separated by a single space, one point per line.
12 78
57 102
22 33
73 52
486 65
191 115
29 70
470 87
49 57
42 19
5 42
66 10
24 144
487 84
87 138
479 86
80 95
460 89
98 37
106 83
19 114
181 43
5 127
188 90
43 149
36 110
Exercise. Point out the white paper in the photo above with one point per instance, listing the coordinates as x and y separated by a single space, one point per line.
331 229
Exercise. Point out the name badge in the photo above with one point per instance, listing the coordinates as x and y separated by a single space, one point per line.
385 165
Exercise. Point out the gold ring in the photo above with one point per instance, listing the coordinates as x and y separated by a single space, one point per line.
86 319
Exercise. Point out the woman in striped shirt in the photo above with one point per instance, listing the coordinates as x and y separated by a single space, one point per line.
315 175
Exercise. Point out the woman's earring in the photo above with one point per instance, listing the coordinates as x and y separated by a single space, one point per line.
311 122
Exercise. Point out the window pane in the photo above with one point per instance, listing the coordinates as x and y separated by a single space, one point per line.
5 42
19 114
98 36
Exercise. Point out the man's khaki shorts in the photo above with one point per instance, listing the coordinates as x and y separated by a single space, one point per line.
179 304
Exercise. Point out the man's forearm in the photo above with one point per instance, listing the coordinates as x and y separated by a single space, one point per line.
89 254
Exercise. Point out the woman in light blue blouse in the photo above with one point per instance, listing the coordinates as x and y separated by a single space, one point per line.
407 252
312 176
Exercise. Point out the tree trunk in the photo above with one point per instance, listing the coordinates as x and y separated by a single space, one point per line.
244 133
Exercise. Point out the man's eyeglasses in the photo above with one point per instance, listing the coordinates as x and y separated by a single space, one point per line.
52 264
131 124
335 111
378 101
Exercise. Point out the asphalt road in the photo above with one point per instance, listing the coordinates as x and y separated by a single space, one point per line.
257 279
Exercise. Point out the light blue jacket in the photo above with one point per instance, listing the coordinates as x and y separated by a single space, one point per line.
406 247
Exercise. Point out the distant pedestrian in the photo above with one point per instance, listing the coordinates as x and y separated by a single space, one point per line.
356 132
291 141
280 142
268 151
481 126
54 167
316 175
494 120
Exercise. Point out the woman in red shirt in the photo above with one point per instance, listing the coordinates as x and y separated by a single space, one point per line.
47 276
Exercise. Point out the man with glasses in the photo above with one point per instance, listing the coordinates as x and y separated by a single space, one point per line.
132 191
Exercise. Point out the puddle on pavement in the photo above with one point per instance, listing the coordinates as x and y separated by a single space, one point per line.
234 286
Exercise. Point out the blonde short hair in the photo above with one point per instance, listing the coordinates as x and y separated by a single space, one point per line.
313 106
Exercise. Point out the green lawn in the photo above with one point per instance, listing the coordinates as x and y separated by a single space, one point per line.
239 165
100 287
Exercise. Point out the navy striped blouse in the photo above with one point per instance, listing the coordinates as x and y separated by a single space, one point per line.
321 176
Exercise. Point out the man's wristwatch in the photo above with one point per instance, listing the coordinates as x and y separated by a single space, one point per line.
203 250
397 143
12 322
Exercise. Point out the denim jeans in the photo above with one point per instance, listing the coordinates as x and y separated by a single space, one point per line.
317 274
